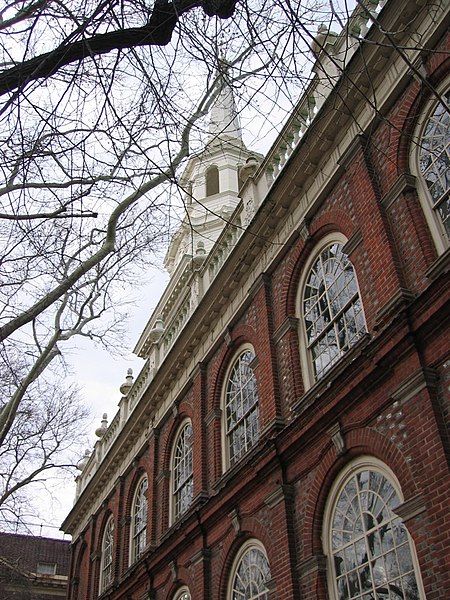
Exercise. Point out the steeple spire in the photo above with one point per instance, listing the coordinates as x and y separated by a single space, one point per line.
211 181
224 120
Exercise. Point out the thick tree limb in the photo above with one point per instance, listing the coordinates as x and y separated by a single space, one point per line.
157 32
23 14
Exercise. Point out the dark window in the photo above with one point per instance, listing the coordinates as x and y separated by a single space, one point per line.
212 181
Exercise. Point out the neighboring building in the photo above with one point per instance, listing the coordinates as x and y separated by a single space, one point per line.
288 434
33 568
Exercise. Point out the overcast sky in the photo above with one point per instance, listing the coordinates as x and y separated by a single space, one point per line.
100 375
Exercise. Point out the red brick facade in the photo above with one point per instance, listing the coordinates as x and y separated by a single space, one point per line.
387 398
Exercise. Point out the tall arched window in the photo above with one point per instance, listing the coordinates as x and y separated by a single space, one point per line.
433 158
182 594
182 471
370 553
139 520
250 574
106 562
241 411
212 181
333 318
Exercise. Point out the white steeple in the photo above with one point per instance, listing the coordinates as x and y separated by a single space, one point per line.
224 120
211 182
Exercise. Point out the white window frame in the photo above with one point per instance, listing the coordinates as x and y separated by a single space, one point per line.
134 535
226 462
306 360
352 468
183 594
106 582
248 545
434 221
172 500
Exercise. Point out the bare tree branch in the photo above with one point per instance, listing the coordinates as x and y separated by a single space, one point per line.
158 32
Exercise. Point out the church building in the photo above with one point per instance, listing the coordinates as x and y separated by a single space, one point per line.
287 437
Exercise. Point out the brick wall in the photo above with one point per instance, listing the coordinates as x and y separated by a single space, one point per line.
387 399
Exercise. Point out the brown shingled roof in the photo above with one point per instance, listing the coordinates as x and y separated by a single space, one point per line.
25 551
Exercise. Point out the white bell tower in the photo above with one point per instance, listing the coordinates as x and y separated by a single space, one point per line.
211 182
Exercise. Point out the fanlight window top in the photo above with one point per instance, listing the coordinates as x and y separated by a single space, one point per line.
332 309
139 520
182 473
370 548
434 161
183 594
250 576
107 555
241 407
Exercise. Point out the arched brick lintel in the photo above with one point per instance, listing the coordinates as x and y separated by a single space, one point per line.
359 442
333 220
250 528
239 335
413 104
183 578
137 475
183 415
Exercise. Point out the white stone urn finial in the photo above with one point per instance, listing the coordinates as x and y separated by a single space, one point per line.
84 460
127 384
157 330
249 168
100 431
200 254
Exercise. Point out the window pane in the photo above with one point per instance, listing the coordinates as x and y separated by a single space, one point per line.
332 308
251 575
370 547
241 408
46 568
182 472
139 520
434 161
107 555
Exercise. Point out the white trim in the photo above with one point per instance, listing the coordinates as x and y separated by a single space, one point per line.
132 557
172 517
179 593
248 545
434 223
352 468
307 368
223 429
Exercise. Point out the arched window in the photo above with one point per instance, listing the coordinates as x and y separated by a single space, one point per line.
139 521
106 563
333 318
433 166
182 471
370 553
241 411
212 181
182 594
250 574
